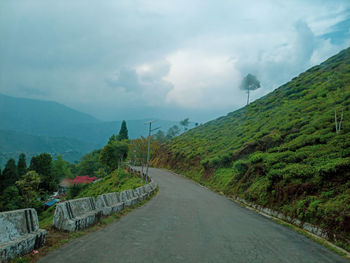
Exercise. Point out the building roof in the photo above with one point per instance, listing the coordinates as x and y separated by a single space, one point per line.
84 179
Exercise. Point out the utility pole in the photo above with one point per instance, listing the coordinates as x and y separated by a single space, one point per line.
149 145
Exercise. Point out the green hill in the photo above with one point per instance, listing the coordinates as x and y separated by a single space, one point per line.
12 144
282 151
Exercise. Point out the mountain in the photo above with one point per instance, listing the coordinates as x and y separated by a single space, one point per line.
281 151
13 143
33 126
38 117
47 118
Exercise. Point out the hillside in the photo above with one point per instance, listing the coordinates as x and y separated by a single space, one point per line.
12 144
48 118
37 116
35 126
282 151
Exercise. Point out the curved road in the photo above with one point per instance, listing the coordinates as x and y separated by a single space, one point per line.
188 223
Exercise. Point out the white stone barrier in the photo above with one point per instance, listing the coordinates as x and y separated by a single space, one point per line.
19 233
77 214
109 203
128 198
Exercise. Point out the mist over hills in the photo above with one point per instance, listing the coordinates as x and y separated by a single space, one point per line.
34 126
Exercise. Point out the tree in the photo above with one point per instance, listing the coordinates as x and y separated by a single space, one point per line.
42 164
29 188
123 133
22 165
89 163
173 131
60 169
160 136
9 174
112 154
10 199
185 123
249 82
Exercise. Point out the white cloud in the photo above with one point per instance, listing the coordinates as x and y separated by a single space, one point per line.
201 80
131 54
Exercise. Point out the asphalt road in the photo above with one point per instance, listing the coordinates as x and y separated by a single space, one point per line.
188 223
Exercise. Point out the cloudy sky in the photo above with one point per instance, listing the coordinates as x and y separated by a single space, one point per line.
137 59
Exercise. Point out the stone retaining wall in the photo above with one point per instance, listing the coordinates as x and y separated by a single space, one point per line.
77 214
19 233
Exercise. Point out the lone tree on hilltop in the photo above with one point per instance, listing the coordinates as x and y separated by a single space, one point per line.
123 133
249 82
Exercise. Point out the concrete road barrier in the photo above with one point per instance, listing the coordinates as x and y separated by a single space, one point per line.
77 214
141 192
19 233
109 203
128 198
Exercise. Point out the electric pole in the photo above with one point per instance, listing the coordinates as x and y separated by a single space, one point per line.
149 145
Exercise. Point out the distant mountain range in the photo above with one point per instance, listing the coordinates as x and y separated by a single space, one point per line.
33 126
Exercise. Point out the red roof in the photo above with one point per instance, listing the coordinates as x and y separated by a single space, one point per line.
84 179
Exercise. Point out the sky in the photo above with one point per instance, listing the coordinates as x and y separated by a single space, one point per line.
137 59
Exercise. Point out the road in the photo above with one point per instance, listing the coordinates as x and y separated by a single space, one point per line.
188 223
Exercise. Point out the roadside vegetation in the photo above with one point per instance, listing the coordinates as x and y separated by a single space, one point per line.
39 184
289 150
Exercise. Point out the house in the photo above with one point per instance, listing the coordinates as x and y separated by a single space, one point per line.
84 179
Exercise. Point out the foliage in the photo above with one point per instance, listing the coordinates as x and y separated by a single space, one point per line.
123 133
61 169
22 165
42 164
114 182
185 123
249 82
10 199
9 174
138 149
173 132
112 154
29 186
89 164
281 151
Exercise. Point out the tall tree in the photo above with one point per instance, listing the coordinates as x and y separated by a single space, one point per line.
123 133
9 174
185 123
249 82
42 164
22 165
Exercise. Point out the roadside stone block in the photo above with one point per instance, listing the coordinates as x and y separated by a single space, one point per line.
141 193
128 198
77 214
109 203
19 233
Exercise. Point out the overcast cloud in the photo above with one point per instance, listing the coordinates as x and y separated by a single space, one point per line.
162 59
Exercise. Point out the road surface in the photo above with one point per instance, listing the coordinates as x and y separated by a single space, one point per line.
188 223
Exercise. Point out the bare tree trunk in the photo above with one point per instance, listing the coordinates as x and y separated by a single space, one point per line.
248 96
335 120
341 120
338 125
